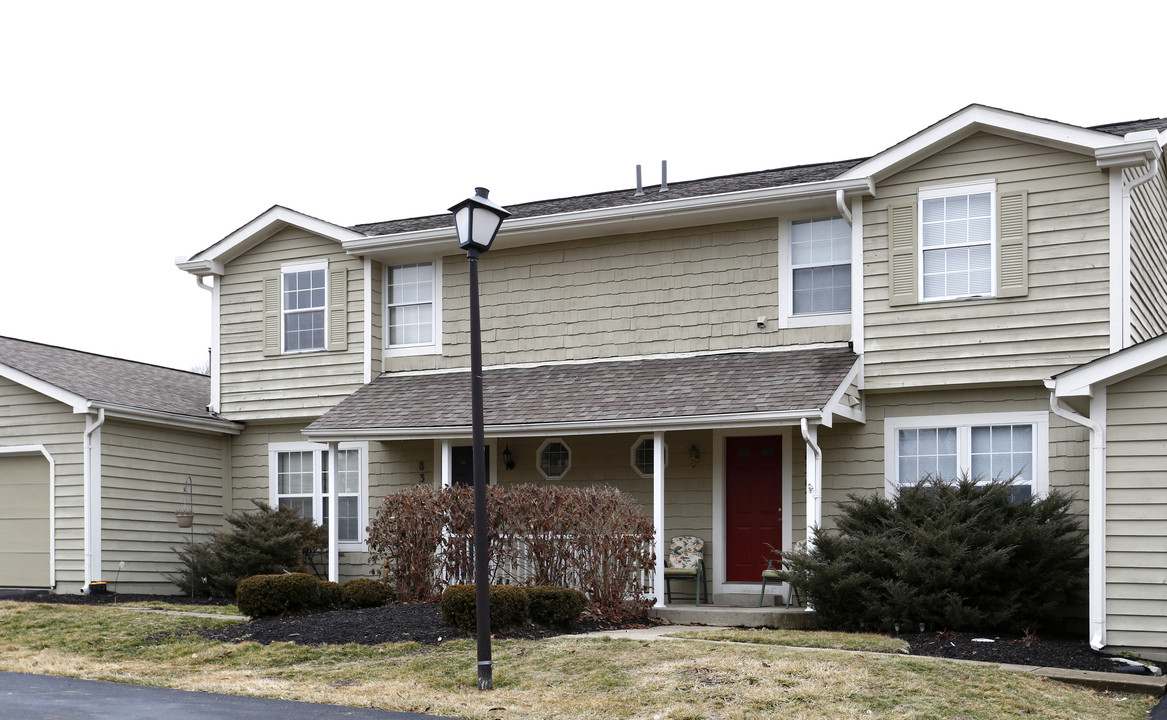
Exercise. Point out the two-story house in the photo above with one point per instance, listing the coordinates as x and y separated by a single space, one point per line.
738 353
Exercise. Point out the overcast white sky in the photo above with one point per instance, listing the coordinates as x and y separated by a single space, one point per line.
132 133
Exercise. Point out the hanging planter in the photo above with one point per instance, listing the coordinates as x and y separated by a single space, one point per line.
184 518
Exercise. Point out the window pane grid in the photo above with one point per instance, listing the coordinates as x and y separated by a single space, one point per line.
820 260
956 239
982 452
554 459
297 487
410 297
303 307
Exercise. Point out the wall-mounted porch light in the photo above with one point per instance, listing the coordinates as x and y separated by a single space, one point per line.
694 456
508 460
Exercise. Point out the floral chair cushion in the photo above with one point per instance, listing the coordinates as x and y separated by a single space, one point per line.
685 551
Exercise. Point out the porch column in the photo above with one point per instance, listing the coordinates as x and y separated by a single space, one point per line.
658 514
333 530
447 469
814 481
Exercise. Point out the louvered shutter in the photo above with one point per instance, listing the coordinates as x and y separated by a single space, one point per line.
271 315
1013 246
901 254
338 309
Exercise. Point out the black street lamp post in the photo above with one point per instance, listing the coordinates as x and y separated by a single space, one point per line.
477 221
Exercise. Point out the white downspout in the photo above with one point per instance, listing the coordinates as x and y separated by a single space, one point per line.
91 500
814 485
658 515
333 529
1096 516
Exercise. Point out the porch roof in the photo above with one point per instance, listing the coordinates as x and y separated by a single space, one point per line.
718 390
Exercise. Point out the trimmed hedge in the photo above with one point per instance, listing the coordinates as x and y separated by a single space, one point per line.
508 606
556 607
270 595
366 593
331 595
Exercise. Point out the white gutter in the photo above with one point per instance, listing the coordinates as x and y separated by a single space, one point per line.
583 427
814 484
91 499
156 417
1097 512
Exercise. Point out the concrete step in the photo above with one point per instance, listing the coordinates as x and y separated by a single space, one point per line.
736 616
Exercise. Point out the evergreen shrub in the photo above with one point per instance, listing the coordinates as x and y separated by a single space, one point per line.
556 607
261 542
331 596
366 593
953 555
262 596
508 606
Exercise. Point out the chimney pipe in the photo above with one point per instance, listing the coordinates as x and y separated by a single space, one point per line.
639 187
664 176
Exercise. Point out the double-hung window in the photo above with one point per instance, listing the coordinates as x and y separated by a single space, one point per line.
413 308
991 446
820 266
957 244
300 477
303 301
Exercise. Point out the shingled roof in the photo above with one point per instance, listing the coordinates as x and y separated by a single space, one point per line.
600 393
104 380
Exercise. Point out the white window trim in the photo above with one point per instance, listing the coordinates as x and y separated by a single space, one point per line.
539 458
632 454
432 348
786 316
301 266
1038 419
273 451
942 191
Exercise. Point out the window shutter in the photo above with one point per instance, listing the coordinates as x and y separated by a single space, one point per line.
271 315
901 254
1013 246
338 309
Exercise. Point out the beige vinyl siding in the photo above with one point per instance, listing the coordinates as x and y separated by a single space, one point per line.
29 418
1136 512
255 387
1149 259
853 455
144 469
1061 321
662 292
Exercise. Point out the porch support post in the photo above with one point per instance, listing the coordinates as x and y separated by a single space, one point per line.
447 469
333 529
658 514
814 481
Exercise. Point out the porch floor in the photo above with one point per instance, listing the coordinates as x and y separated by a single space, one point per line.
795 618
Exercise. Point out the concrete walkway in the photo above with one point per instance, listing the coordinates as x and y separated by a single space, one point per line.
45 697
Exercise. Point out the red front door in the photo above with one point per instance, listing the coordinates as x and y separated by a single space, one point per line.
753 505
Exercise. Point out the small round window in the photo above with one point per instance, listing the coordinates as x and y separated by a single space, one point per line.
554 459
642 455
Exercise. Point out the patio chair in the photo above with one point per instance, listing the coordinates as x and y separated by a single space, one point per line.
686 561
772 573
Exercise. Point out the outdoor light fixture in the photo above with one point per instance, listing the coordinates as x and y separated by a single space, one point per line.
694 456
477 221
508 460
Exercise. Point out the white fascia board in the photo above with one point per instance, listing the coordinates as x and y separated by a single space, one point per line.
1111 368
638 425
265 225
835 405
154 417
973 119
72 399
665 214
1137 149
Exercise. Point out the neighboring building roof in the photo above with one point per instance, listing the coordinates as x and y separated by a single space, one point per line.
766 386
109 382
1112 368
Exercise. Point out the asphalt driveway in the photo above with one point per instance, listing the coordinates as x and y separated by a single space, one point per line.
44 697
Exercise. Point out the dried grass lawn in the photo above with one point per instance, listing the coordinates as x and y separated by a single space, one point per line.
562 677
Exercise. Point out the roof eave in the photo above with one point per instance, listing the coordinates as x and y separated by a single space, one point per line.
178 420
1109 369
583 427
661 215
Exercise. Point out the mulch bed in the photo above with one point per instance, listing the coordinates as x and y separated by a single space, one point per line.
422 623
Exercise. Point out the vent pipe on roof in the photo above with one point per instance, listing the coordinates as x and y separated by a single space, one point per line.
664 176
639 186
